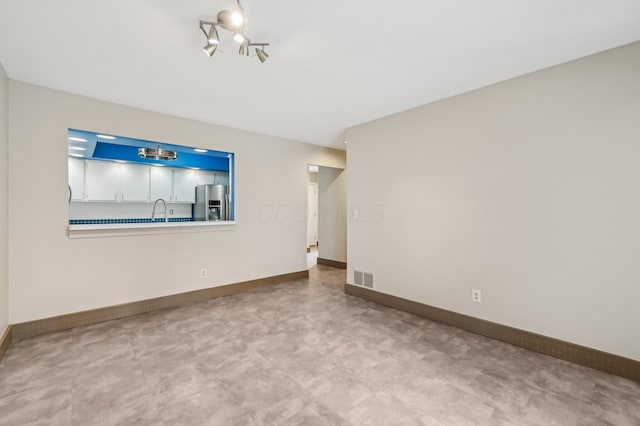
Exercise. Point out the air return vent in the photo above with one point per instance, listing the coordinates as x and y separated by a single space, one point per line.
368 280
363 278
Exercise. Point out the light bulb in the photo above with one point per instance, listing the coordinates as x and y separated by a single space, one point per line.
238 37
237 19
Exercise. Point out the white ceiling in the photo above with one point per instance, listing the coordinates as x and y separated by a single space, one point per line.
333 63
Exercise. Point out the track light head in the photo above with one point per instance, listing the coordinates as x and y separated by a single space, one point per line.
231 20
213 37
244 49
239 37
262 55
210 48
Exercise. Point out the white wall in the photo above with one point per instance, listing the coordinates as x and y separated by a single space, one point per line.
4 197
51 274
332 214
528 190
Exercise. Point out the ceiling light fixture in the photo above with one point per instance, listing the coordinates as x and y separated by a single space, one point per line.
157 154
238 37
210 49
213 37
262 55
232 21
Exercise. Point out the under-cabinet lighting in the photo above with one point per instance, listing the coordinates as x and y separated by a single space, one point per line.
74 139
158 165
120 161
194 168
78 148
200 150
106 137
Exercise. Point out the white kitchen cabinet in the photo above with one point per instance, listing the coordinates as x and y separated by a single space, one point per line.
76 178
161 183
205 177
92 180
102 181
184 186
134 182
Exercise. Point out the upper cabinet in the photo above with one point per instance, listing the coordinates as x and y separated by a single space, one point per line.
161 183
107 181
110 181
134 182
102 181
184 186
76 178
206 177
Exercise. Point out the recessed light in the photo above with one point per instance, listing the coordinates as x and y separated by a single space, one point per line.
106 137
200 150
78 148
74 139
344 141
77 155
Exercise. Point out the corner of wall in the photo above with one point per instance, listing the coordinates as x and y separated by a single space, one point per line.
4 199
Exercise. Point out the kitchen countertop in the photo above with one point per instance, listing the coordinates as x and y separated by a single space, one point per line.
124 229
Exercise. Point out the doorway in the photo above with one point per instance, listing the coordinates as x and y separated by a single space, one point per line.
312 215
326 216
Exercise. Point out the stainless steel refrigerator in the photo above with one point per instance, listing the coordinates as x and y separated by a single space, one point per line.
212 203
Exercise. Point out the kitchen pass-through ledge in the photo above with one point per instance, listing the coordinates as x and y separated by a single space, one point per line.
154 228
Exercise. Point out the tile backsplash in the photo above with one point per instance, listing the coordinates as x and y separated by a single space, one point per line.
79 210
132 220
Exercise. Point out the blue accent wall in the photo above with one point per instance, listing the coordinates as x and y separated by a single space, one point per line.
108 151
126 149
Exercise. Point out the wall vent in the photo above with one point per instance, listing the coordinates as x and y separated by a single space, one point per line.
357 277
368 280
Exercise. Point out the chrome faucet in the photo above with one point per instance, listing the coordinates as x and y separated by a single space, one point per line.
153 215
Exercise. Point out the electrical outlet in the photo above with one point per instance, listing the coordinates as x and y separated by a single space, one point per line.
203 273
476 296
170 212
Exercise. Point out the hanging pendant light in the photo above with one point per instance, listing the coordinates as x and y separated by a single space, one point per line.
157 154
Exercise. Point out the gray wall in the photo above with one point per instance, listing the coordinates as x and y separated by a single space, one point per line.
4 199
527 190
332 214
51 274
